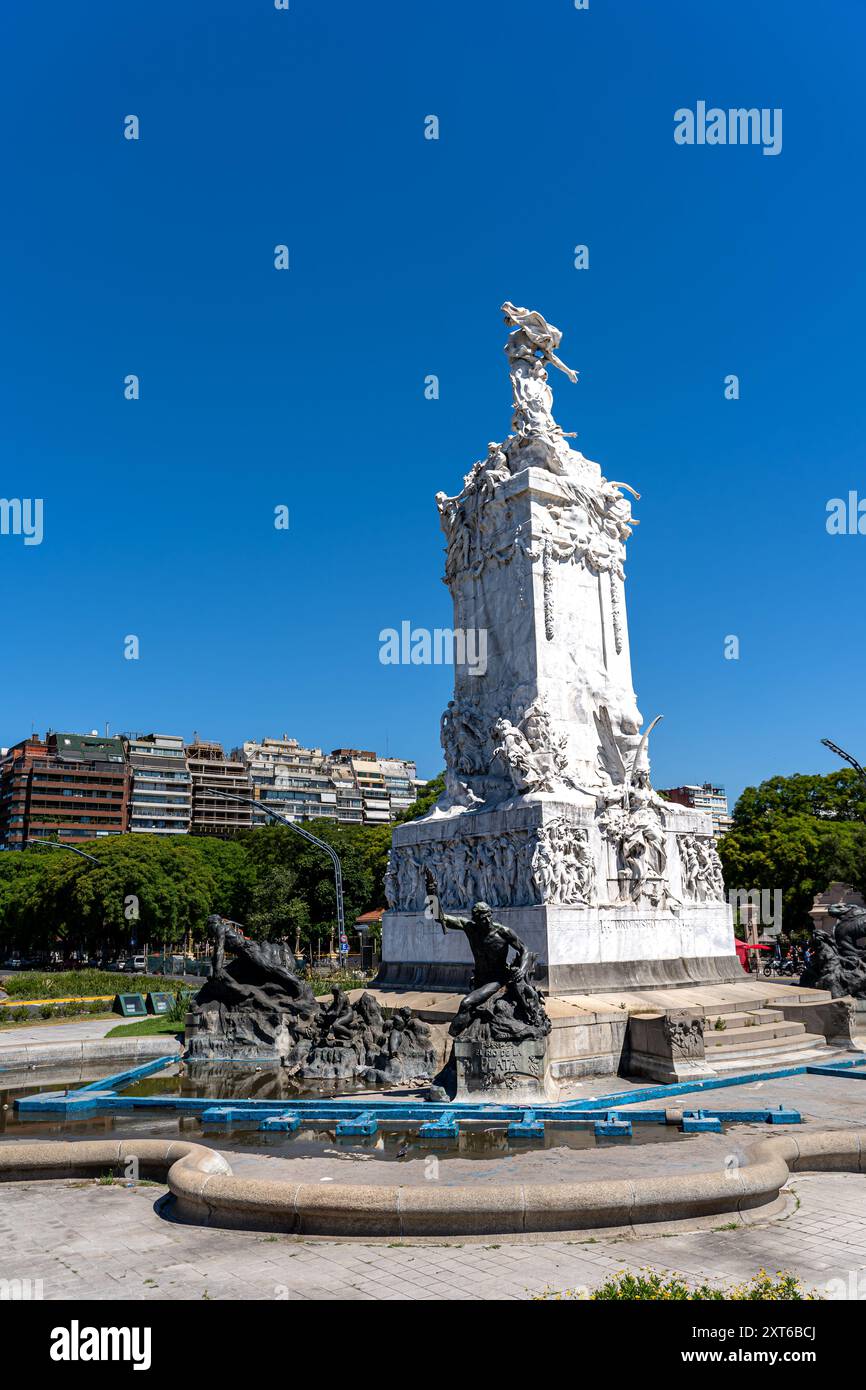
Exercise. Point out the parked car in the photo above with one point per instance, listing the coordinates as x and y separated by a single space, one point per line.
13 963
135 965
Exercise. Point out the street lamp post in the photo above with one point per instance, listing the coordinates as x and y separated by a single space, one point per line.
840 752
55 844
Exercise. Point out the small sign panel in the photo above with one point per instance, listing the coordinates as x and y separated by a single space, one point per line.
130 1005
159 1003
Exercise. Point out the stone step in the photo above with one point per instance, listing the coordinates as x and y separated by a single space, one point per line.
742 1061
793 995
734 1020
770 1047
751 1037
744 1018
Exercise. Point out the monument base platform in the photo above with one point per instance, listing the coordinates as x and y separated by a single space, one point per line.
588 978
675 1033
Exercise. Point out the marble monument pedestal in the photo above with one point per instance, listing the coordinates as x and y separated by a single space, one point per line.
610 944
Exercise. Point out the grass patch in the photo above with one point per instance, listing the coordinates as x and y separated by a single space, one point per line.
146 1027
65 984
345 979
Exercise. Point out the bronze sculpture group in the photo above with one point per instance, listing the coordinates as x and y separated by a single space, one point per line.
838 959
256 1008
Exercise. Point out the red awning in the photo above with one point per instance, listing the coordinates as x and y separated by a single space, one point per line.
741 949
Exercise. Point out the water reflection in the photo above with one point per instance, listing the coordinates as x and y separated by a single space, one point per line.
221 1081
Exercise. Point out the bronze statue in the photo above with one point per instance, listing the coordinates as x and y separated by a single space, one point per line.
259 979
502 1004
338 1023
838 959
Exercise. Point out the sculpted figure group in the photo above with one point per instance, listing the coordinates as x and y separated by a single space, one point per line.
255 1006
517 868
701 868
562 867
530 349
510 754
838 958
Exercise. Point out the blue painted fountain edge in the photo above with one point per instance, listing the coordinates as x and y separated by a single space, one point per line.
103 1096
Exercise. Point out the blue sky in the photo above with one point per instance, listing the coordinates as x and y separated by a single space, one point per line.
305 387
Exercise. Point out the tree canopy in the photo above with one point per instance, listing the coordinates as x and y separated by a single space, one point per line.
798 834
156 889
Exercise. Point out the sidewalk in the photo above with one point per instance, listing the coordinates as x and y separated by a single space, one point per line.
76 1030
71 1048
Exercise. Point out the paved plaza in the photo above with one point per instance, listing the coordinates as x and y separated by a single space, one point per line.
86 1241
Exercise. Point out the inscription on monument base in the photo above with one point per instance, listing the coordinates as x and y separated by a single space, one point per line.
514 1070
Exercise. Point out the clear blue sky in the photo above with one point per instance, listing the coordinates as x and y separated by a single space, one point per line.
305 388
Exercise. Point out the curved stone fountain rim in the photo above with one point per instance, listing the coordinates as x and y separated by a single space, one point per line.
206 1192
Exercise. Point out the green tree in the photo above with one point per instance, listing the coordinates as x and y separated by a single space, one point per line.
276 911
159 890
798 834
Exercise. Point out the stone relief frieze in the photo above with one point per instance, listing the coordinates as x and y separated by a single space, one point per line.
517 868
701 868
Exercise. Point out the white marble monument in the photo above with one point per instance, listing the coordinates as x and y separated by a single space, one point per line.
549 815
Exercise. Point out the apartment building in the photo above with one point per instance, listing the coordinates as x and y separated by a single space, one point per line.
72 786
705 797
349 785
401 783
297 782
370 781
161 797
80 786
209 769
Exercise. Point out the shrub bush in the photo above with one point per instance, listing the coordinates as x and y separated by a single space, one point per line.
649 1285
